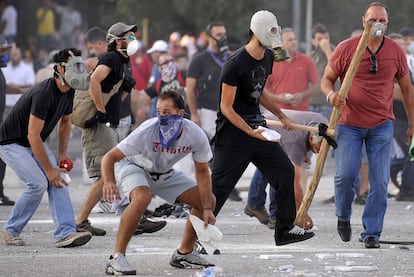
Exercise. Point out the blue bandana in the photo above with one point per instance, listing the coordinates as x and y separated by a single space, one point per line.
170 126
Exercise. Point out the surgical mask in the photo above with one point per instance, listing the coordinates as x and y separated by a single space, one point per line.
264 25
410 47
170 126
75 74
168 71
4 60
378 30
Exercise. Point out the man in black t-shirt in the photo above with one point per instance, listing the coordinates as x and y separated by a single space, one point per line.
22 148
239 140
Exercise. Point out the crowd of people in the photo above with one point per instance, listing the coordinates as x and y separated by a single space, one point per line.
201 102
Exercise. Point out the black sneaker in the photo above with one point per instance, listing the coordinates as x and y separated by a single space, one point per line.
296 234
164 210
86 226
5 201
148 225
191 260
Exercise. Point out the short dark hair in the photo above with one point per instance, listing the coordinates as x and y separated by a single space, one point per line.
213 24
177 98
95 34
63 55
319 28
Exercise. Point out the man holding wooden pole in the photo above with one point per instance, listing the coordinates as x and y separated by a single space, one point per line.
367 116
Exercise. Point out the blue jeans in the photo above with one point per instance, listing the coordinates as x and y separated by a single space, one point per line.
378 141
256 197
22 160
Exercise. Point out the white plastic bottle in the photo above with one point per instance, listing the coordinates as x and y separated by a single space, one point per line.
213 271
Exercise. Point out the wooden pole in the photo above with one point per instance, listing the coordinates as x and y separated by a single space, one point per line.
320 162
329 132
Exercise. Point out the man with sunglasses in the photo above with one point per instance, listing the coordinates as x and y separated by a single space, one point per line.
367 117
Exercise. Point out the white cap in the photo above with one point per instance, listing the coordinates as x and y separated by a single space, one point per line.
159 45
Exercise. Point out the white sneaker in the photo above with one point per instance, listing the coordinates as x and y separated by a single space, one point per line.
118 265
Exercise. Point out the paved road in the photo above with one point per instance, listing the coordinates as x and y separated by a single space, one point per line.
247 247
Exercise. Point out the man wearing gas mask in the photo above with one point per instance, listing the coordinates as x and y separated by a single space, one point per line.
100 133
4 58
22 148
203 82
239 140
367 116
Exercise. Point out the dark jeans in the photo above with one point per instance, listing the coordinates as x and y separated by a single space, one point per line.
407 182
234 150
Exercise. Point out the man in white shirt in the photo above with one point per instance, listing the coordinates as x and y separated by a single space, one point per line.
8 23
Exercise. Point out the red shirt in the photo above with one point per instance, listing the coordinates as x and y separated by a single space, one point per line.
293 77
369 99
141 67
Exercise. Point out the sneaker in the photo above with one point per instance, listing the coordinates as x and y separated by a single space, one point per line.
199 248
118 265
261 215
85 226
272 224
9 239
190 260
295 234
148 225
361 199
180 211
5 201
74 240
165 210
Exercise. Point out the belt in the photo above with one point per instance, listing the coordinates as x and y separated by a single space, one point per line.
161 176
255 120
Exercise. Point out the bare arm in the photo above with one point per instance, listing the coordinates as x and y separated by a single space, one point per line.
408 101
64 128
267 101
95 88
328 87
203 177
110 190
34 129
190 87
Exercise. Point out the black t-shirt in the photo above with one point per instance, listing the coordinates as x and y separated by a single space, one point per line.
2 94
249 75
45 101
207 72
115 61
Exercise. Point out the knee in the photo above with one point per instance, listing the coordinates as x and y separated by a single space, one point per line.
140 196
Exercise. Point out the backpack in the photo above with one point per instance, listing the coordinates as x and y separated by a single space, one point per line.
83 106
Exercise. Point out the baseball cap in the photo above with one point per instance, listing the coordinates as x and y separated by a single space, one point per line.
118 29
159 45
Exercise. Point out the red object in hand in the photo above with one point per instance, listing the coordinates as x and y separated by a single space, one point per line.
66 165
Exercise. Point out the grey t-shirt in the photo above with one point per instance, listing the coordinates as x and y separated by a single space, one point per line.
143 147
295 142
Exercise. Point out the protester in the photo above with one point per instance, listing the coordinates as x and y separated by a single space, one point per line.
242 81
148 155
367 116
22 148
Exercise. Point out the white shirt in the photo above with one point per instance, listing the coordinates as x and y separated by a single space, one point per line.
10 17
20 75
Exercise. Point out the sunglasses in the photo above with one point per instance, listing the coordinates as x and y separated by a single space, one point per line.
128 37
374 65
166 62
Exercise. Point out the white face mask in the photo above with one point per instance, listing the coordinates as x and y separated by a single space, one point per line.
132 47
264 26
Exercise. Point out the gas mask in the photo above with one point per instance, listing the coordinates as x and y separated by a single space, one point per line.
170 126
75 74
378 30
264 25
222 44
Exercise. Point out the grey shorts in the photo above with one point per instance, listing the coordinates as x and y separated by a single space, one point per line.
96 143
175 183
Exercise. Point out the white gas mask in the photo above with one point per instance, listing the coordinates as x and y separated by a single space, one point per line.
264 25
75 74
378 29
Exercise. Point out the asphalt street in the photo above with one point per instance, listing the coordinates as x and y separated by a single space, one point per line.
247 247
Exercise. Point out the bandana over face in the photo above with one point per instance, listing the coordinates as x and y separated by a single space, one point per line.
170 126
